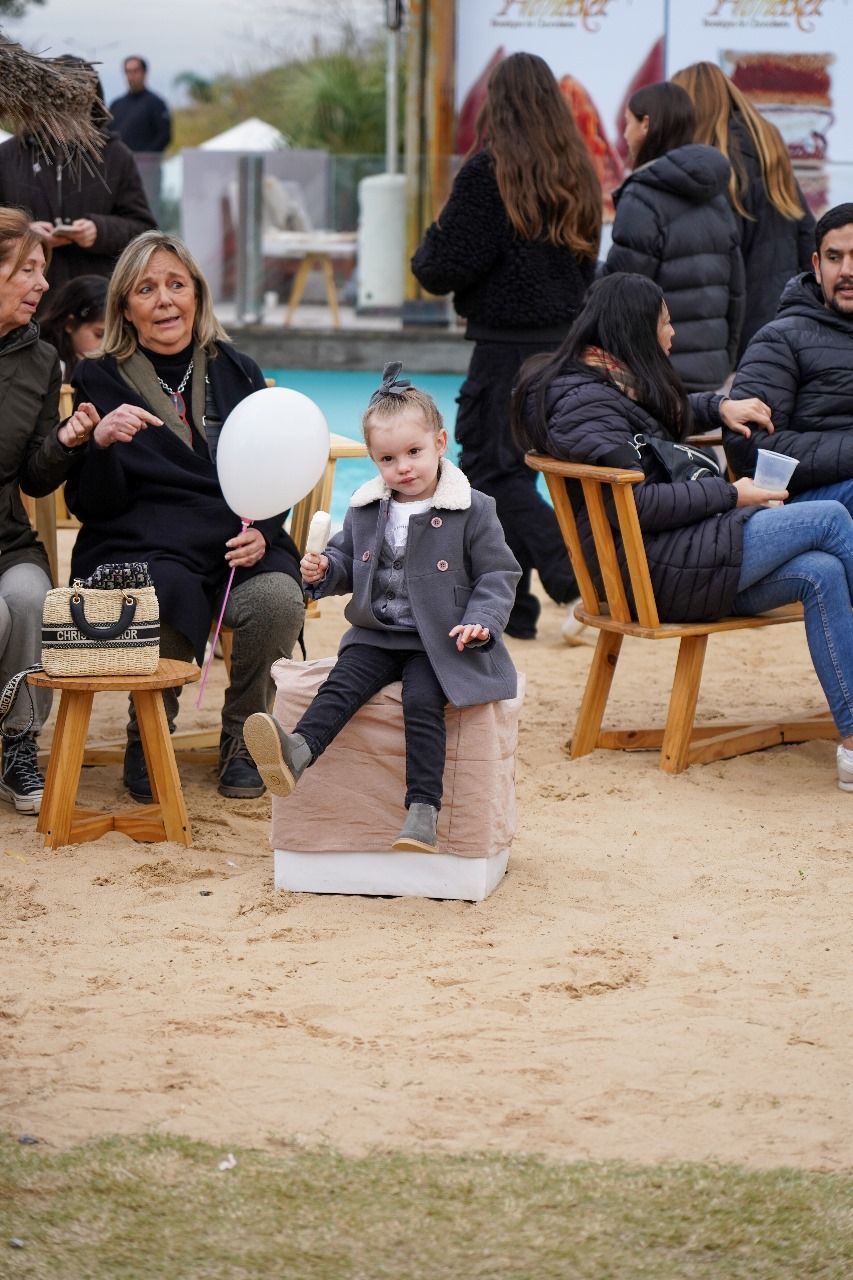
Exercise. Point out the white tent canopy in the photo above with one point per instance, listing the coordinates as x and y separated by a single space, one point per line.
250 135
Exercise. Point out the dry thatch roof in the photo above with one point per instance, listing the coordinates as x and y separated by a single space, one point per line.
51 100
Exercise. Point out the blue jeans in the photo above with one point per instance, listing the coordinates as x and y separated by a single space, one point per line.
841 491
804 551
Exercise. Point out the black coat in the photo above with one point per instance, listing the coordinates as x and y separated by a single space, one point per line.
674 224
31 457
142 121
692 529
112 196
801 364
774 247
157 499
500 283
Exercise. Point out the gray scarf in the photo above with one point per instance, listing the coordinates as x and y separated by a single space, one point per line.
138 372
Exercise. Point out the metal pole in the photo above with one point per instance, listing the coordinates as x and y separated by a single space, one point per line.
392 145
249 259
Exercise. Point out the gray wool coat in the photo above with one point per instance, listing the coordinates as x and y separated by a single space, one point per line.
458 569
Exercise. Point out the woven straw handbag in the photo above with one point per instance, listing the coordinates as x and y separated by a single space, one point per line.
105 625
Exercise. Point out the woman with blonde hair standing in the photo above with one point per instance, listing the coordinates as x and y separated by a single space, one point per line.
776 227
517 244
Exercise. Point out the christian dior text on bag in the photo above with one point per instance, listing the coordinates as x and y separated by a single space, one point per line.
105 625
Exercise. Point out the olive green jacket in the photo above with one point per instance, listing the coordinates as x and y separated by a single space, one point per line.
31 457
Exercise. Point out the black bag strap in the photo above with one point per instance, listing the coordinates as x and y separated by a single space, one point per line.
7 701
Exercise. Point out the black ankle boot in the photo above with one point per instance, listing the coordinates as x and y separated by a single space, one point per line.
238 774
136 773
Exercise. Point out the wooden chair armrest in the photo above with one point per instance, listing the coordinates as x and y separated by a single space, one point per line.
581 470
706 438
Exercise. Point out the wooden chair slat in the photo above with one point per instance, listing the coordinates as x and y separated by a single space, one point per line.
635 555
605 549
569 529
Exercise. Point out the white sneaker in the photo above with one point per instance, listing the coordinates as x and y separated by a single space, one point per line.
575 632
844 761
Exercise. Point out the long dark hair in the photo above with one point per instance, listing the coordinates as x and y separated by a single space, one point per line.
672 120
80 301
620 315
545 176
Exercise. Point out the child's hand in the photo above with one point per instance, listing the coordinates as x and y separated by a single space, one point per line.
468 634
313 566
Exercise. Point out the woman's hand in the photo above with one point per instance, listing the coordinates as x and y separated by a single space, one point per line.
246 548
77 429
120 425
313 566
471 633
737 413
749 495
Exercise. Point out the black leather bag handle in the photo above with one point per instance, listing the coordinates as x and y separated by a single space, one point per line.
102 630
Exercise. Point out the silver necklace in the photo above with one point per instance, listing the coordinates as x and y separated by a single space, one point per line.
176 394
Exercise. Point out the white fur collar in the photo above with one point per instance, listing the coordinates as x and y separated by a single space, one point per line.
453 492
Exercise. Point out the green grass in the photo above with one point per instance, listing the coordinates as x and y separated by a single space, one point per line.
130 1209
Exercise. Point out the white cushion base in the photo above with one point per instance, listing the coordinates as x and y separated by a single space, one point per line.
410 875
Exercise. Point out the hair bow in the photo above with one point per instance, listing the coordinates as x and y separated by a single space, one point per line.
392 384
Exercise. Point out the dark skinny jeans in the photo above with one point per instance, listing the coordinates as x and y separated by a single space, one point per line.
361 671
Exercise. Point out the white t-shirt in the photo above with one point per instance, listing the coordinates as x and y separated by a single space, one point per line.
399 515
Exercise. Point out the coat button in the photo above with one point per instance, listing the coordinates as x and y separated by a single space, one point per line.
436 522
442 566
365 555
398 564
389 595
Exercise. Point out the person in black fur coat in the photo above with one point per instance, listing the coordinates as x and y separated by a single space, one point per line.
516 243
713 548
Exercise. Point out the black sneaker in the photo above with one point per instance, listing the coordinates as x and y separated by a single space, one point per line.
21 780
136 774
238 774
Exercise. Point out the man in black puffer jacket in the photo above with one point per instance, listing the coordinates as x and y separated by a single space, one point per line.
801 365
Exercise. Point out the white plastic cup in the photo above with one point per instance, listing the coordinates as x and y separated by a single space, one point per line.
773 470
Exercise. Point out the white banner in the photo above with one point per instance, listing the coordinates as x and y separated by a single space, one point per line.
601 51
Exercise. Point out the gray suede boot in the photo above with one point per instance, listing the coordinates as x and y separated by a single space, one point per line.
419 830
281 757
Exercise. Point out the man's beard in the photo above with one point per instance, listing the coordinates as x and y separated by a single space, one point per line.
833 305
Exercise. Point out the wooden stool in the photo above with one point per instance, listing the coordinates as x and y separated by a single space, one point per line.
59 820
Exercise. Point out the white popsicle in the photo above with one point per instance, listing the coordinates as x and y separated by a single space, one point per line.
318 533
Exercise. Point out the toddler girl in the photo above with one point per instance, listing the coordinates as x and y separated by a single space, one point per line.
432 584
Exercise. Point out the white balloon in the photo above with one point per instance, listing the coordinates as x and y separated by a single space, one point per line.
272 450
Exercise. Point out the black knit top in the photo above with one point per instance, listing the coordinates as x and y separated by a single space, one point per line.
507 288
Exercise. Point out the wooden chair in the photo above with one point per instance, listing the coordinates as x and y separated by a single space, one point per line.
681 743
60 821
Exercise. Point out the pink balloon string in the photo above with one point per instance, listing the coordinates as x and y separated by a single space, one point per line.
206 671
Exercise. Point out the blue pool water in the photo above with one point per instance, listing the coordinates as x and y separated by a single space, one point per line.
343 397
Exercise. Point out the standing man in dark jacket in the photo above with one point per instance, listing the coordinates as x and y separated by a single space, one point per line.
140 117
801 365
144 124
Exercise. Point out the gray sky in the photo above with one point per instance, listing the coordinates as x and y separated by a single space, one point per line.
204 36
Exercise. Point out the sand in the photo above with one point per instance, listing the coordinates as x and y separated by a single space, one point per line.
663 974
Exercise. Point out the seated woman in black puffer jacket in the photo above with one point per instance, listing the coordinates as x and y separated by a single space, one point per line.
713 548
674 224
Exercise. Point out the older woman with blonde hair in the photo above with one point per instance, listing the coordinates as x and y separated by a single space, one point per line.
36 453
776 226
147 489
